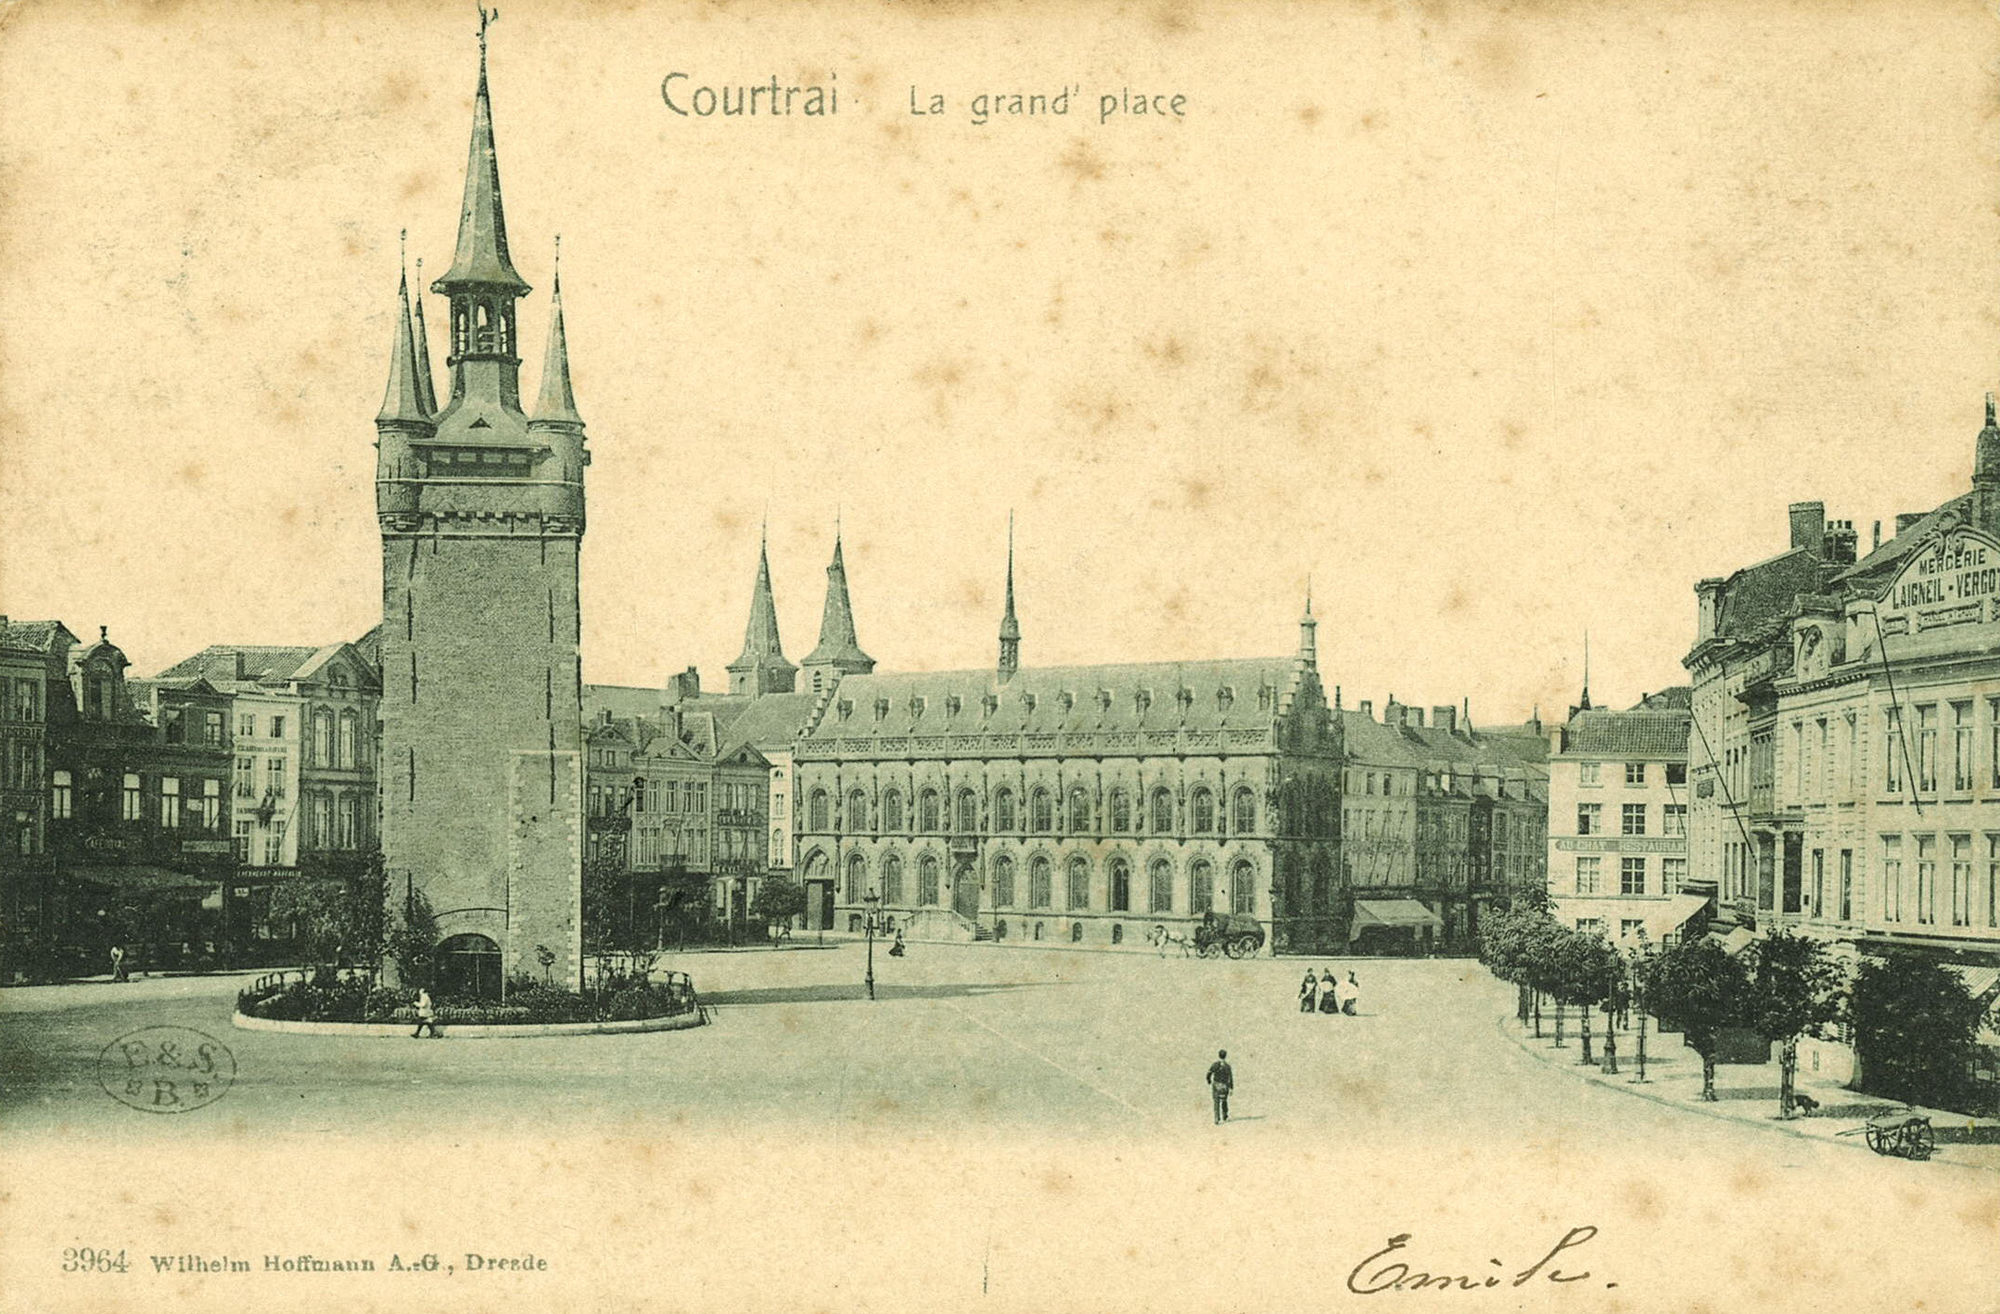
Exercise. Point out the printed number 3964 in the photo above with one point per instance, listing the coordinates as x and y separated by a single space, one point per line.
89 1259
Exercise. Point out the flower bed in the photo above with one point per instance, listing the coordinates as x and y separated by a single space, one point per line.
329 997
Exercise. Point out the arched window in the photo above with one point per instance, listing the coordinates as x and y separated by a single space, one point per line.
1039 893
927 881
344 749
1003 809
1079 811
1121 811
1003 882
857 810
892 810
1201 811
857 877
1160 877
892 879
1245 819
322 740
1079 883
1201 888
968 812
927 812
816 811
1117 933
1243 887
1076 932
1162 820
777 848
1121 885
1041 817
468 967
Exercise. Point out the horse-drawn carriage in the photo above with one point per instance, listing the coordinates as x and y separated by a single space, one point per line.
1238 934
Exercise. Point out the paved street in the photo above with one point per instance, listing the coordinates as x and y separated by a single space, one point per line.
1041 1079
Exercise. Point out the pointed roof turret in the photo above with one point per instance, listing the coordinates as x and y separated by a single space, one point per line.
838 647
762 667
557 404
481 258
1010 628
403 403
1309 630
426 388
1986 453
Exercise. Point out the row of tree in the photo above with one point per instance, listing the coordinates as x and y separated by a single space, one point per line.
1914 1024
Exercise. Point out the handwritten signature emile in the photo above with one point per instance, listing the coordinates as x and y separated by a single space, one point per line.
1381 1272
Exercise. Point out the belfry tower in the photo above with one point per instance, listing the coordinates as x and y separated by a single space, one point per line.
839 651
762 668
481 513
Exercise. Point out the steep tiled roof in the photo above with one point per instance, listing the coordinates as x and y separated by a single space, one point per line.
37 636
1647 736
261 664
1760 596
771 722
622 700
1893 552
1221 695
1679 697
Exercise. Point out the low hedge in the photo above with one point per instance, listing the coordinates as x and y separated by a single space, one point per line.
327 998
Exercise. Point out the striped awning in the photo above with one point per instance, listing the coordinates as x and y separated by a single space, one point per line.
1394 912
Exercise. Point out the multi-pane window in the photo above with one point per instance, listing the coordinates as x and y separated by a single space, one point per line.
927 881
1635 773
321 816
1589 818
1825 759
1818 892
345 751
1631 876
1674 819
1673 873
1632 819
1893 749
62 799
1961 880
1853 754
1201 888
1798 759
1120 808
170 802
1589 874
1079 811
1244 819
246 725
1003 882
1961 747
129 798
1161 880
1587 773
1243 887
1162 821
241 841
855 888
211 803
816 811
928 812
1201 811
1629 927
857 810
1003 809
1993 880
1077 896
277 727
211 729
274 777
1927 749
1039 893
321 745
892 810
1926 878
1846 885
1121 885
968 812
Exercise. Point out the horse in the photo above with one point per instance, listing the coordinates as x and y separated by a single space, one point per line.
1161 938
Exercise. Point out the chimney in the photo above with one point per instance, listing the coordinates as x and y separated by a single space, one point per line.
684 686
1708 592
1368 708
1840 543
1809 526
1904 519
1392 712
1445 717
1413 717
1876 538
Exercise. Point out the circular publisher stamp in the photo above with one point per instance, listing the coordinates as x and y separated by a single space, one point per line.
166 1069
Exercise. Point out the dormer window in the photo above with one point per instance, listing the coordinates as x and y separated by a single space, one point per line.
1264 696
1185 697
1028 701
990 704
881 709
916 707
952 704
846 708
1142 700
1103 700
1068 701
1224 697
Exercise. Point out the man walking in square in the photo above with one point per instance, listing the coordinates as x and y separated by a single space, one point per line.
1220 1082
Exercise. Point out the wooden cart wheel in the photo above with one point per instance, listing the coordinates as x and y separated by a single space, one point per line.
1211 949
1922 1140
1875 1139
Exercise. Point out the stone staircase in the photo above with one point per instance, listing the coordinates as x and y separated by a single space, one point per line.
946 926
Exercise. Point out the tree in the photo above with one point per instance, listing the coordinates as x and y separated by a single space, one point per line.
1582 971
335 905
604 880
778 901
411 940
1915 1029
1697 989
1796 988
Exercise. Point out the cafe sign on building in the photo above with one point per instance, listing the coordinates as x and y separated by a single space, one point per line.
1952 580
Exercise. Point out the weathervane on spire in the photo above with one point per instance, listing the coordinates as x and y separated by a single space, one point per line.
487 17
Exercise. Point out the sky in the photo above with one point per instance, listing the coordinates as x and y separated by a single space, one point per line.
1498 325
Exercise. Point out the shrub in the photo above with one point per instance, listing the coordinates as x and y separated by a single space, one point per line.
1914 1030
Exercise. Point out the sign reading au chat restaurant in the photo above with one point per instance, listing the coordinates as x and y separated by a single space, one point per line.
1952 580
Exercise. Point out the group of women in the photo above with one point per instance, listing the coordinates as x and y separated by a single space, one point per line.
1327 993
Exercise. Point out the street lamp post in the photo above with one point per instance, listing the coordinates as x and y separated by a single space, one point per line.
871 901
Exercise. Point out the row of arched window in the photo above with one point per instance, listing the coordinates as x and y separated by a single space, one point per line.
1036 814
1156 894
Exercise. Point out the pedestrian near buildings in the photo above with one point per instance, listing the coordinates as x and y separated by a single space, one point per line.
1308 992
426 1015
1329 994
1350 998
1221 1080
118 963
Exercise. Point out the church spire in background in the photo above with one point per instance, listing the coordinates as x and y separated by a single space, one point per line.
1010 628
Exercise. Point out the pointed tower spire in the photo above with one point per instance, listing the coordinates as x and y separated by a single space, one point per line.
483 286
1010 628
403 403
426 386
1583 705
1309 631
557 403
839 652
762 668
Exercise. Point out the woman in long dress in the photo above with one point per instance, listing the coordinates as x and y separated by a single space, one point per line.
1329 993
1351 996
1308 989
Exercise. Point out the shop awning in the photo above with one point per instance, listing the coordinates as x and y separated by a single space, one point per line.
1979 981
1394 912
1738 939
139 878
